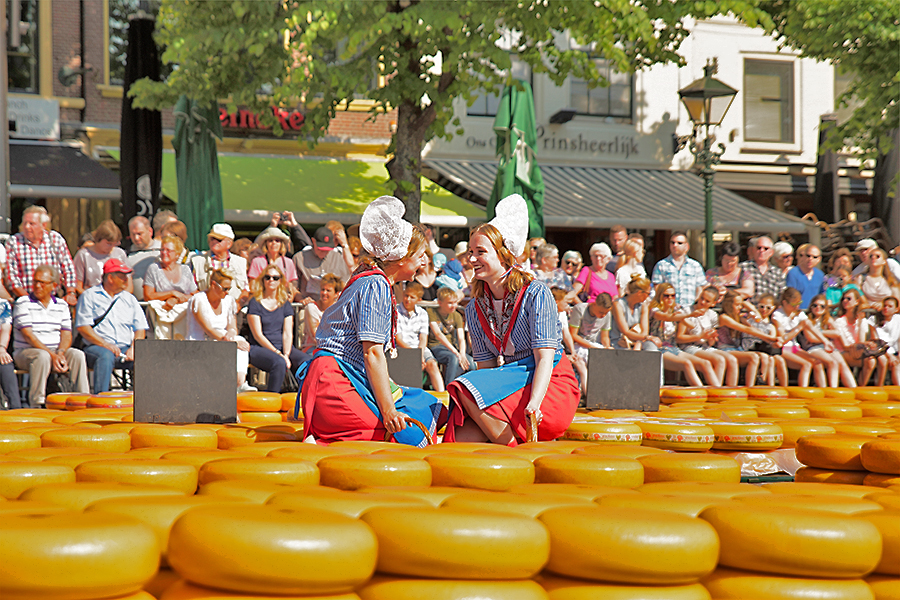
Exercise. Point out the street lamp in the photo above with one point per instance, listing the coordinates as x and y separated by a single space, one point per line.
707 100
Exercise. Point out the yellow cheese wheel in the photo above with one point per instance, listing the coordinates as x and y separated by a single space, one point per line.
717 394
602 544
616 414
163 580
383 587
73 556
592 429
39 454
29 507
439 449
311 452
682 393
73 460
774 411
351 504
83 418
16 477
238 436
831 451
839 393
810 393
588 492
726 412
480 471
589 469
834 411
120 426
880 409
688 505
364 446
91 439
798 542
676 435
793 430
702 488
257 492
531 454
433 495
289 402
881 480
270 550
814 475
259 417
56 401
871 394
40 429
76 496
157 512
274 470
431 542
528 505
564 588
353 471
890 436
787 487
881 456
163 473
174 436
888 524
690 467
77 401
763 392
185 590
884 587
262 448
110 402
834 504
618 450
259 402
746 437
866 429
198 458
10 441
732 584
563 445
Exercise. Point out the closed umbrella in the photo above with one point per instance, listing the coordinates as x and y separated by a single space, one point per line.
518 171
197 168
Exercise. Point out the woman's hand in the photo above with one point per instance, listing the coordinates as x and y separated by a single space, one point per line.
5 358
243 346
534 408
654 340
287 359
394 421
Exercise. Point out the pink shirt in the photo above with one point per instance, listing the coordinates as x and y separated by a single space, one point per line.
598 286
259 264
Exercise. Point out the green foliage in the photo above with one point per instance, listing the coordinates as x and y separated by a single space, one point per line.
862 37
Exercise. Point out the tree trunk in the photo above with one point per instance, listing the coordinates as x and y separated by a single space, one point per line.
405 168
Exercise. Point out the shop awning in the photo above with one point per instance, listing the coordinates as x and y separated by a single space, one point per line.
58 170
593 197
316 190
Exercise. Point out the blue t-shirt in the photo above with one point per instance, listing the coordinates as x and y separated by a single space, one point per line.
272 322
808 287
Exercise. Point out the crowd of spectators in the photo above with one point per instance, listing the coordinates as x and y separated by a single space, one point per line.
754 319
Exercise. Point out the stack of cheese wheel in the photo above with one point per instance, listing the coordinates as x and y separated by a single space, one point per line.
594 429
259 407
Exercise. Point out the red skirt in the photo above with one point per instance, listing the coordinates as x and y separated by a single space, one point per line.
558 407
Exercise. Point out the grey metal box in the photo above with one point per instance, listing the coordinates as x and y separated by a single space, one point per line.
406 369
623 379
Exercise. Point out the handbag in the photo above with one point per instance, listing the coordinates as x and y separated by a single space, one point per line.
78 342
586 290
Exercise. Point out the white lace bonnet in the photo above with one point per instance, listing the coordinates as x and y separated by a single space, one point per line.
511 221
383 232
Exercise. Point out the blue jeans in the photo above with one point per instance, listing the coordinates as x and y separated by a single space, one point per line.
444 356
103 362
273 364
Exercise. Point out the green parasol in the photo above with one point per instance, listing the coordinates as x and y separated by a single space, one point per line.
518 171
197 169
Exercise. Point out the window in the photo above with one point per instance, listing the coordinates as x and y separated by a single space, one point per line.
768 101
119 11
22 45
613 100
486 104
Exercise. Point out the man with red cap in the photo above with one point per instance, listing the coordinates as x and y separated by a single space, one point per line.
109 319
325 256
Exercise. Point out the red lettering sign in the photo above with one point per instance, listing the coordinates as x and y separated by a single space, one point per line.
245 119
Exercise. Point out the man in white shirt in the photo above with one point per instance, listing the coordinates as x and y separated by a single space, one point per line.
144 251
220 239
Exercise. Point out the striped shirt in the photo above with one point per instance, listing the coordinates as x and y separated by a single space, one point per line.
46 323
362 313
536 327
23 258
411 326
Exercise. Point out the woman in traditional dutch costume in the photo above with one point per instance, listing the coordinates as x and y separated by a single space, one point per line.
345 390
516 343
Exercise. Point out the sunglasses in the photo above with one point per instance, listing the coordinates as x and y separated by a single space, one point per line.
668 295
764 248
272 277
765 307
810 256
572 262
817 306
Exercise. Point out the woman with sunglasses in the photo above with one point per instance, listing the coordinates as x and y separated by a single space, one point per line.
854 330
877 283
791 322
834 362
775 365
698 335
665 315
270 316
729 275
572 264
630 326
732 330
594 279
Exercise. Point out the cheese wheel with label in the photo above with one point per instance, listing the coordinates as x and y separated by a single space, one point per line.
732 584
383 587
269 550
835 451
351 504
528 505
746 437
629 546
76 496
74 556
589 469
563 588
881 456
690 467
480 471
432 542
10 441
162 473
888 524
173 436
593 429
814 475
273 470
798 542
702 488
353 471
681 436
16 477
56 401
257 492
91 439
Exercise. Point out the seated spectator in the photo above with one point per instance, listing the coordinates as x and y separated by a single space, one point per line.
244 247
531 247
427 277
8 380
447 337
562 312
833 283
270 316
783 257
143 253
572 263
219 257
355 245
630 326
729 275
547 271
451 276
168 286
109 319
412 331
89 262
877 282
596 278
665 314
43 341
312 263
630 264
34 246
212 317
160 220
590 324
276 245
329 290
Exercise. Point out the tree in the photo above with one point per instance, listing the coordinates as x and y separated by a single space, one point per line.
424 54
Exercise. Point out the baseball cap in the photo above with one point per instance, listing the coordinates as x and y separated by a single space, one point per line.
324 238
866 244
222 231
114 265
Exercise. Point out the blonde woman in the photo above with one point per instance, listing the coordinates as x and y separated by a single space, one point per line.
168 286
630 264
89 261
270 316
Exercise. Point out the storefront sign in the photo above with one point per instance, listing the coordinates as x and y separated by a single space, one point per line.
33 118
290 121
619 146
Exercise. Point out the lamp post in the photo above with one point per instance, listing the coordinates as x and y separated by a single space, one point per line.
707 100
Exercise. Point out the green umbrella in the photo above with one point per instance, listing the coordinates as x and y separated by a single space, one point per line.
197 169
518 171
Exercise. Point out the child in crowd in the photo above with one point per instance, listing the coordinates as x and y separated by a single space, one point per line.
562 308
824 352
665 314
447 337
731 331
790 322
887 327
856 336
589 325
836 283
775 365
331 287
412 331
